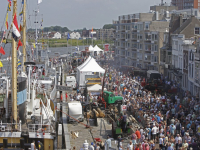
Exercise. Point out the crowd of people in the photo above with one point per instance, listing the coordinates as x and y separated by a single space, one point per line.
169 121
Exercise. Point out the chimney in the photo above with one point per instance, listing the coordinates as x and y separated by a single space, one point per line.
162 3
181 19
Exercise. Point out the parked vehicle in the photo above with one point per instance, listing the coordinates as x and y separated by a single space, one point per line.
71 81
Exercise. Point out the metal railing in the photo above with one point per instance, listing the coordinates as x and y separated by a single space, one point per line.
40 128
9 127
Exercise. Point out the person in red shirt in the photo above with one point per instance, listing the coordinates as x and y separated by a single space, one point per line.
137 132
137 147
66 96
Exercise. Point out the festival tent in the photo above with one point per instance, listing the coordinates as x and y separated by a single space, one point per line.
97 50
91 48
95 88
88 68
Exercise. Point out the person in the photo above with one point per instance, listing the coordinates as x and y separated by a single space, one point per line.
33 145
108 142
154 131
102 145
161 142
185 145
40 145
137 132
85 145
124 122
91 146
119 141
130 146
177 139
134 138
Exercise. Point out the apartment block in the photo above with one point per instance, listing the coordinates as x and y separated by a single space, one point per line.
186 4
139 37
105 34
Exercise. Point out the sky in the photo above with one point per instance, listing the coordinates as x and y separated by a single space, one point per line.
77 14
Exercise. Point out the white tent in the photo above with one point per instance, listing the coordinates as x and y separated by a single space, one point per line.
91 48
97 50
95 87
87 68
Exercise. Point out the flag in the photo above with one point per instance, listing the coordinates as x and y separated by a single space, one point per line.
2 51
68 36
92 29
4 40
15 32
9 9
22 1
10 1
19 63
20 28
6 23
1 65
19 44
21 13
39 1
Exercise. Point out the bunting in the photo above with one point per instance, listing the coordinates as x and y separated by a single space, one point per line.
10 2
9 9
6 23
21 13
1 65
4 40
2 51
19 44
20 28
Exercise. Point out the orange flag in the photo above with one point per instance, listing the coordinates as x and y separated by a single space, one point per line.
92 29
20 28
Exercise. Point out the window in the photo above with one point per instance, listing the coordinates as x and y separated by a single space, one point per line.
196 31
146 26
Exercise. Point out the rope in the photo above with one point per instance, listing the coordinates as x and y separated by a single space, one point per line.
73 118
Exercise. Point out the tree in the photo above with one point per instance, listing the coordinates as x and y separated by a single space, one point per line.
108 26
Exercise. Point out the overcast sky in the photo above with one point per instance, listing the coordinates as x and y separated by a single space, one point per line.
77 14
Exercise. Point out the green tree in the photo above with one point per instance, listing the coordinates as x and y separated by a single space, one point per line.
108 26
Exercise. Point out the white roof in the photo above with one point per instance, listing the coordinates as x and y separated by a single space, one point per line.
91 48
96 48
95 87
92 66
83 64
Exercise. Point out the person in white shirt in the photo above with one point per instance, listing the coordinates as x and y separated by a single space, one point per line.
178 138
85 145
33 146
161 142
130 146
91 146
154 131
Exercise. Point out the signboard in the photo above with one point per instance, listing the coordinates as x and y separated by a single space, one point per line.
106 46
86 49
63 88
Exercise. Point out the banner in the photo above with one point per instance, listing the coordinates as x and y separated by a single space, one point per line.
106 46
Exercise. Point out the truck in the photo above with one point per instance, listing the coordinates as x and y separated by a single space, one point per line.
110 98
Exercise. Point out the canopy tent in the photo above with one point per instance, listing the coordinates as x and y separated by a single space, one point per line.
95 87
91 48
97 50
89 67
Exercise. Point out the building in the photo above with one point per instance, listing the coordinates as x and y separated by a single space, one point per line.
139 37
186 4
75 35
105 34
88 34
57 35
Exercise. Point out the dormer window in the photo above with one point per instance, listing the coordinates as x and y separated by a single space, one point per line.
196 30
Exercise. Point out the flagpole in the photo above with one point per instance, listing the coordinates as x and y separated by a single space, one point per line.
24 34
14 72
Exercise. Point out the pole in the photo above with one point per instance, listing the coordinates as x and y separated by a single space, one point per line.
14 71
24 34
36 34
71 46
